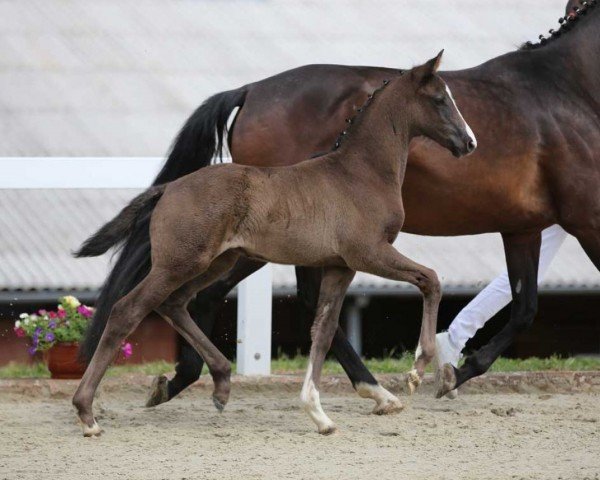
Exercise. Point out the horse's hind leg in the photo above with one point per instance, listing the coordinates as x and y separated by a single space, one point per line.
522 257
126 314
333 288
308 280
203 309
174 310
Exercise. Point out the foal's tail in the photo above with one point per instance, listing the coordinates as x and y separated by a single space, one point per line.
120 228
200 139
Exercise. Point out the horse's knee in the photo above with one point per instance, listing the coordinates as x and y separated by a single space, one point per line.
429 283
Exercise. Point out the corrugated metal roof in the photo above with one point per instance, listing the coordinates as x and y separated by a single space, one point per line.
85 78
115 78
39 229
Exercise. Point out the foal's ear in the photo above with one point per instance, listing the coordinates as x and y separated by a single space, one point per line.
423 73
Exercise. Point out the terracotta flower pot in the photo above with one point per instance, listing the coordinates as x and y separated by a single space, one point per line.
62 361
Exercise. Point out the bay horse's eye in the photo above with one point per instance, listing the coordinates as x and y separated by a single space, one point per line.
439 100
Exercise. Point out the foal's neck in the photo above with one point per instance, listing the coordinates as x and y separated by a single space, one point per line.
378 138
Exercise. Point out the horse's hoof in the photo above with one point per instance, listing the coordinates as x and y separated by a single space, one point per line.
328 430
389 407
159 392
413 380
219 405
452 394
445 380
93 431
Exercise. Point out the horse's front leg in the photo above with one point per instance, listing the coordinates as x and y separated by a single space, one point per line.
387 262
334 284
522 257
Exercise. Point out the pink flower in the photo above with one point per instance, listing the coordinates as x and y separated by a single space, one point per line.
52 314
19 332
85 311
61 313
42 312
127 349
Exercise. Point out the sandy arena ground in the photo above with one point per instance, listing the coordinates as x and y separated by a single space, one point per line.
266 436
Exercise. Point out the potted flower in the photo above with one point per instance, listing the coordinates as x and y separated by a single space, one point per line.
57 335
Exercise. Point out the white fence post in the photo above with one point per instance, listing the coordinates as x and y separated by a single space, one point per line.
255 300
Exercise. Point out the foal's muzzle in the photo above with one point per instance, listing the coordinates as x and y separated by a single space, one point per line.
463 145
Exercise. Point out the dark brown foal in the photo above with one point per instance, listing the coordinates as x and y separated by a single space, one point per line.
341 212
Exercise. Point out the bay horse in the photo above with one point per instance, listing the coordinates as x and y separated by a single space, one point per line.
341 212
536 113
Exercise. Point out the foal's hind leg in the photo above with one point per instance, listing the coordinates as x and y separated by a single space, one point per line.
387 262
203 309
333 288
126 314
174 310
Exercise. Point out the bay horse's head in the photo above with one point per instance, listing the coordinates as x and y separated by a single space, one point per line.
435 113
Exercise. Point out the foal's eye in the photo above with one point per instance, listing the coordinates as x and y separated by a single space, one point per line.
439 100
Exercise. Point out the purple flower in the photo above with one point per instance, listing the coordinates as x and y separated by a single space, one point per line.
52 324
35 341
31 351
37 331
49 337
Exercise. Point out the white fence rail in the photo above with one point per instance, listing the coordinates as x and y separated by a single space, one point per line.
254 293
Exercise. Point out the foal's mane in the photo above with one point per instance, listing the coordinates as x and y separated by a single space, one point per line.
350 121
567 23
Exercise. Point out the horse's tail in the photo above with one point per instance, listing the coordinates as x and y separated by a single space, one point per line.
201 138
196 144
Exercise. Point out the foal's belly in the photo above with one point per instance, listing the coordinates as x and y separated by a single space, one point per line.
291 247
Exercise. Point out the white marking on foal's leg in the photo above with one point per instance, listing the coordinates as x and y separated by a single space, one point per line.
311 403
413 379
418 352
386 402
93 431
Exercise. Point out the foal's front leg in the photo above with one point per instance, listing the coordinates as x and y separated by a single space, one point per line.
387 262
308 280
334 284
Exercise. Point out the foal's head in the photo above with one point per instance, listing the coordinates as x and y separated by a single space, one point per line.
434 111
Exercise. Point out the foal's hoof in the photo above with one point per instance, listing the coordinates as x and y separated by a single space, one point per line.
159 392
445 380
413 380
389 407
219 404
93 431
328 430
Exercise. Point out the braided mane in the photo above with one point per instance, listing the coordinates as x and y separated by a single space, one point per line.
567 23
351 120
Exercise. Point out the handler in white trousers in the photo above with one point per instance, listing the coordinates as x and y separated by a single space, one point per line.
488 302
